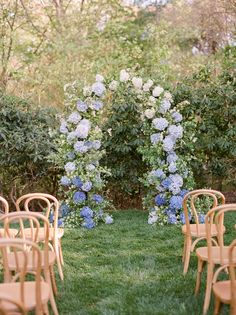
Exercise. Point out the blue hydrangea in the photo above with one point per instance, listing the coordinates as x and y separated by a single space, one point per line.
158 173
70 167
177 117
97 198
172 219
98 88
100 213
89 144
60 222
165 106
86 212
77 182
176 202
79 197
176 132
88 223
71 136
201 218
87 186
74 118
70 156
96 144
155 138
65 181
182 218
160 200
80 147
96 105
168 144
51 218
160 123
172 157
108 219
183 192
81 106
174 188
172 167
63 127
64 210
166 183
82 130
176 179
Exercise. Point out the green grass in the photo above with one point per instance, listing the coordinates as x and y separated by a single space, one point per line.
128 268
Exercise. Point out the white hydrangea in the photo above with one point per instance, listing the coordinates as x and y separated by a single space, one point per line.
149 113
99 78
87 91
168 96
165 106
83 128
157 91
152 99
113 85
152 217
137 82
147 85
124 76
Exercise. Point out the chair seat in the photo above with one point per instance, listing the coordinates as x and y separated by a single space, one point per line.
201 230
202 252
60 233
221 290
13 291
31 263
13 232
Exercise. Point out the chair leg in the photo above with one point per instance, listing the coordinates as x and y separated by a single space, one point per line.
199 275
217 306
187 254
184 250
54 284
59 265
45 309
61 254
52 299
207 299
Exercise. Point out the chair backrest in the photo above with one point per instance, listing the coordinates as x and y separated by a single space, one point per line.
17 247
4 206
191 200
7 303
218 213
51 204
32 221
232 278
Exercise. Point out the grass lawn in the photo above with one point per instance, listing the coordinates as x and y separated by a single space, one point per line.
128 268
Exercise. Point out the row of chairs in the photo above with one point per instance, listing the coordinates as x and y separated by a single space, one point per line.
215 255
30 245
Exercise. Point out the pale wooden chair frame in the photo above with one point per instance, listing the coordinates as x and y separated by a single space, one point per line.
6 210
51 203
213 255
33 219
20 249
20 308
197 230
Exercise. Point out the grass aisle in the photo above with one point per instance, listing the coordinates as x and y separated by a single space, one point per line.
127 268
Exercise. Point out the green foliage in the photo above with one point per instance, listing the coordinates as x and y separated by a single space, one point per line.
26 135
211 94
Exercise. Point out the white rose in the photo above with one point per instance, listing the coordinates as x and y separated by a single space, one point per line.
137 82
157 91
113 85
124 76
87 91
147 85
149 113
168 96
99 78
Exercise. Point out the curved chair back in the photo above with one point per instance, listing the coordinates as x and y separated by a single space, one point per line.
5 206
190 203
7 303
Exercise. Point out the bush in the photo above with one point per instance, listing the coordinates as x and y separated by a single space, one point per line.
26 137
212 95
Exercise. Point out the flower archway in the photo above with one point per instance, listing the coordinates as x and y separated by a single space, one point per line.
166 136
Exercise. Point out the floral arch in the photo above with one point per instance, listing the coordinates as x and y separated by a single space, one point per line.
80 150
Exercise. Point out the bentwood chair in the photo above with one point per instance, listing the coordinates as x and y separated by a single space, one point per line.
213 256
225 291
5 209
194 232
35 202
28 295
8 305
48 258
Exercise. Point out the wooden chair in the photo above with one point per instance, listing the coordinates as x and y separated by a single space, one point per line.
28 295
7 305
197 230
224 291
213 255
5 209
34 234
51 204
